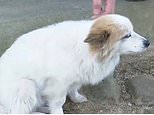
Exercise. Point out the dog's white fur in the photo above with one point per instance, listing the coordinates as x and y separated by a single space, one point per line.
47 64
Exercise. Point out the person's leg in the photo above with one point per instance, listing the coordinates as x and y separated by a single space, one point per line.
110 7
97 8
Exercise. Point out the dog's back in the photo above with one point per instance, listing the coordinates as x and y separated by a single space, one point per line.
41 54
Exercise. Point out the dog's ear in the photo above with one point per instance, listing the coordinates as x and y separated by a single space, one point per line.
97 36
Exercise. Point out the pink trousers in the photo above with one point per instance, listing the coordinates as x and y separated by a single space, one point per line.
98 10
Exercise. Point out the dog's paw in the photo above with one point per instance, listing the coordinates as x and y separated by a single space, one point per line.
79 99
56 111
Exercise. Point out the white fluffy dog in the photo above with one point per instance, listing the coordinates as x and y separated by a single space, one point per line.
47 64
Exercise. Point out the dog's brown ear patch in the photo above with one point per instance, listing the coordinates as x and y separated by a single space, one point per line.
97 37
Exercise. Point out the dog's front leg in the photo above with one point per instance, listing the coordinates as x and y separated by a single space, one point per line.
55 94
56 104
74 95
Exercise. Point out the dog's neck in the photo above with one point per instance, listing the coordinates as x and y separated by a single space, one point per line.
97 68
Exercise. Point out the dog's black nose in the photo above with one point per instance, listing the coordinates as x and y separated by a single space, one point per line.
146 43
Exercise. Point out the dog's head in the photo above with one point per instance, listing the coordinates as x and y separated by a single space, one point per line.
114 33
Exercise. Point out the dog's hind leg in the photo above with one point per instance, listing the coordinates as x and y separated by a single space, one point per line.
26 97
74 95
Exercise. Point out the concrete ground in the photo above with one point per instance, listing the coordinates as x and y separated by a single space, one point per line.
21 16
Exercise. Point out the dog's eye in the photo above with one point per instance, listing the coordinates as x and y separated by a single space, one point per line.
127 36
